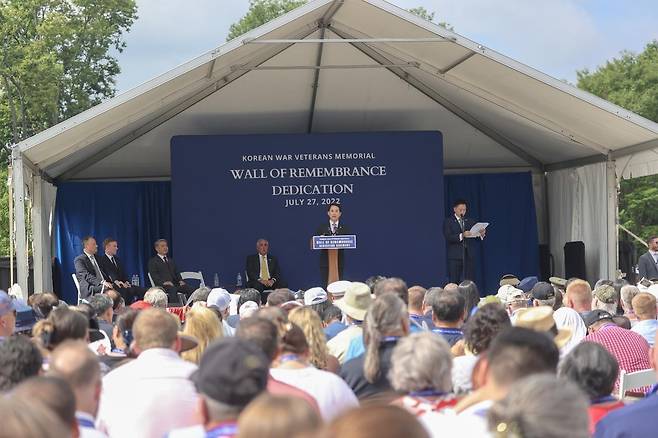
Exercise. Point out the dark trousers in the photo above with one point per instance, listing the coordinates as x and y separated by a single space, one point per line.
173 291
457 272
260 287
130 294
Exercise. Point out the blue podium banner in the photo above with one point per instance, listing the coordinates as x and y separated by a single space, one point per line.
229 191
334 242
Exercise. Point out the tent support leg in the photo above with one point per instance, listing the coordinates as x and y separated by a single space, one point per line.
612 215
20 235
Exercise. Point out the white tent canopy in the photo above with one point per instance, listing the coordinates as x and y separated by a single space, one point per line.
360 65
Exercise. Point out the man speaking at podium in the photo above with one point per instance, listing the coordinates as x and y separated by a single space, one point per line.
334 228
460 245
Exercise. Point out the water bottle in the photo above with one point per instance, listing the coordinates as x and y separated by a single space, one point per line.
135 280
215 281
238 282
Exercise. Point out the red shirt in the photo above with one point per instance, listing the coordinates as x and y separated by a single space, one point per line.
598 411
629 348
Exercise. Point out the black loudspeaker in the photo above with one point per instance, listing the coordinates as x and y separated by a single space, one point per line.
545 263
574 260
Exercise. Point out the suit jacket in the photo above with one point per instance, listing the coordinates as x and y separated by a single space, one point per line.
451 232
110 272
85 272
253 267
161 271
325 230
647 266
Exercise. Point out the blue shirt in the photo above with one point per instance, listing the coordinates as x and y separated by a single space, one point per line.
333 329
452 335
647 329
420 323
355 349
637 420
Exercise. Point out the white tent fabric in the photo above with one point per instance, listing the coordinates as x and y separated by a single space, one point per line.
347 65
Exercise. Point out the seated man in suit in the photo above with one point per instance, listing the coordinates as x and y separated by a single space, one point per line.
113 273
87 270
648 262
165 274
263 269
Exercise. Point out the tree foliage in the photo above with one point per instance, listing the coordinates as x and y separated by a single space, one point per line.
259 13
429 16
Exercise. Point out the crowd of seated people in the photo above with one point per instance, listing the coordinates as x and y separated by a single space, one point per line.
358 360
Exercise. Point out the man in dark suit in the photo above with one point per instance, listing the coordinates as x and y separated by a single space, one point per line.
87 270
165 274
263 270
648 262
333 228
113 272
456 232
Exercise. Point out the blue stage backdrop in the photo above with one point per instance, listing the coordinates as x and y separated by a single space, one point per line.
134 213
506 201
228 191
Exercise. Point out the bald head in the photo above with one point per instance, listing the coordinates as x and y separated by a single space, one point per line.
155 328
579 296
75 363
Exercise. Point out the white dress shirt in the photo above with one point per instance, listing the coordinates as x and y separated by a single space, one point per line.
149 396
86 426
654 254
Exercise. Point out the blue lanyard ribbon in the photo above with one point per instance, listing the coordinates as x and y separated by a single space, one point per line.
601 400
83 422
223 430
390 338
447 331
288 358
427 393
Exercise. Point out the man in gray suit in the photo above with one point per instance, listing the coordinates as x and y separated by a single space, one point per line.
88 271
648 262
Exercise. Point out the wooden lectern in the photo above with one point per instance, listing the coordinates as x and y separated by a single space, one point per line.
332 244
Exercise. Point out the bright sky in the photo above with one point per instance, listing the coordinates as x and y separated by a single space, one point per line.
557 37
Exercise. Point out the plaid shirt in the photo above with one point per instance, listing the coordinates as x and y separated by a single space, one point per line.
629 348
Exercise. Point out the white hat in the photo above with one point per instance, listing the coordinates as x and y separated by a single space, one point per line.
338 288
315 295
247 309
219 298
504 291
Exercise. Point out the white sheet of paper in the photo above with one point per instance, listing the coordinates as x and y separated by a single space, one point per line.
475 229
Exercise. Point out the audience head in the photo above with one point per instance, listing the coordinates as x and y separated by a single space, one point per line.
44 303
204 325
421 361
605 298
337 289
200 294
416 299
103 306
541 319
387 316
161 247
20 359
247 309
627 294
596 319
111 246
429 298
7 314
396 286
381 421
543 294
52 392
156 297
89 245
372 281
579 296
541 406
276 416
592 368
333 313
519 352
449 308
293 341
62 324
311 324
118 303
122 333
483 326
618 284
276 316
279 296
31 419
644 306
356 302
317 299
260 332
469 290
220 300
155 328
248 294
232 373
80 368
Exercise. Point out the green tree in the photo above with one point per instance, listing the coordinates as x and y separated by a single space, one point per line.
259 13
429 16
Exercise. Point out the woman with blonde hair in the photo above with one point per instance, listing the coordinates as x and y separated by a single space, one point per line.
309 321
276 416
204 325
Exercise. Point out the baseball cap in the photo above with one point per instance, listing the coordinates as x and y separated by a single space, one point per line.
6 303
542 291
606 294
510 279
527 284
315 295
25 317
596 316
338 288
558 281
232 371
503 291
515 295
219 298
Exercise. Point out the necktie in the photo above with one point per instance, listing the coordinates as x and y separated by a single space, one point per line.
333 228
165 259
113 261
264 272
461 223
96 268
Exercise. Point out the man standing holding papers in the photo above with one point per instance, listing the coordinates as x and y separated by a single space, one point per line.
458 234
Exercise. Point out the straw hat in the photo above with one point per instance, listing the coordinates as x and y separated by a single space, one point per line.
541 319
356 301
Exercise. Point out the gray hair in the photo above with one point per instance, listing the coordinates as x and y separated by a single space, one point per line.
421 361
201 294
627 293
100 303
541 405
156 297
385 317
549 302
431 295
611 308
218 411
262 239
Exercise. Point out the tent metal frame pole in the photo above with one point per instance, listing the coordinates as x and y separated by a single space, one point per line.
324 67
634 149
20 235
436 97
578 162
612 216
349 41
316 81
172 112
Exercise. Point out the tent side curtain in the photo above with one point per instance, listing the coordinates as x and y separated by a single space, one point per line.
577 200
43 211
